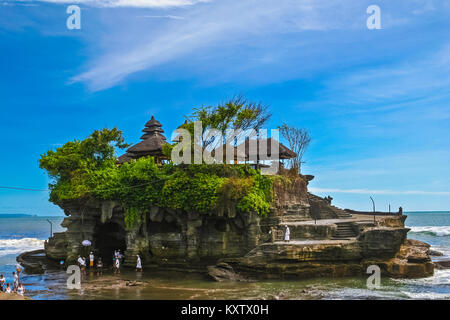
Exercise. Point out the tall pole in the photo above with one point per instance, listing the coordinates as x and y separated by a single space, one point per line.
51 228
373 205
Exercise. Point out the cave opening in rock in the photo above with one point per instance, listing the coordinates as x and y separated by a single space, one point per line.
109 237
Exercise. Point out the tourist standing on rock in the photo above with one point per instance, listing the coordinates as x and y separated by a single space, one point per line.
99 267
18 269
82 264
2 282
117 265
139 264
21 289
16 281
287 234
91 260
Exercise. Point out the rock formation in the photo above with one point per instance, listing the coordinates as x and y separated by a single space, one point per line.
325 240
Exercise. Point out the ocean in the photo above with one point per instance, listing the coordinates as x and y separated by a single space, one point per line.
28 233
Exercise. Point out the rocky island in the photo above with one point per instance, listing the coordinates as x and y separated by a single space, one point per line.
224 220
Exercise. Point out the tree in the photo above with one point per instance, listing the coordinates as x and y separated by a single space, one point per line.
77 156
236 114
298 140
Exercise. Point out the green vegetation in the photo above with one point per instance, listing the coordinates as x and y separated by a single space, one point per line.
87 169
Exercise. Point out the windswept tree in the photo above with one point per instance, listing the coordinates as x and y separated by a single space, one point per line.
298 140
237 114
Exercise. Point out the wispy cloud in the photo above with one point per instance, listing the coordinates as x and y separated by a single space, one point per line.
384 192
164 17
127 3
224 25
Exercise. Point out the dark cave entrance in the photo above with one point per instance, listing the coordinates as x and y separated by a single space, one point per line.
109 237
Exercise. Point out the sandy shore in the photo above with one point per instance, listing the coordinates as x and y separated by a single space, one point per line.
12 296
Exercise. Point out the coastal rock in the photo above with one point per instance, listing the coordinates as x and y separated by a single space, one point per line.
434 253
224 272
443 264
232 246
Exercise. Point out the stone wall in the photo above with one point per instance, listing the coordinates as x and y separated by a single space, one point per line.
162 236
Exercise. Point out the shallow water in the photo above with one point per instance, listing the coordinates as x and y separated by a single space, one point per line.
23 234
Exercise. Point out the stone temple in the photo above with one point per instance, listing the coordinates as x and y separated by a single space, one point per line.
325 240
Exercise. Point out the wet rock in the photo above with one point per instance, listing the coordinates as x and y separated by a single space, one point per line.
435 253
224 272
444 264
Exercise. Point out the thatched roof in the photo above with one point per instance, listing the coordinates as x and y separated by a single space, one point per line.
124 158
151 144
283 151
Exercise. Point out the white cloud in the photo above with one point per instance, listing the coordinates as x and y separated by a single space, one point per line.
384 192
130 3
227 23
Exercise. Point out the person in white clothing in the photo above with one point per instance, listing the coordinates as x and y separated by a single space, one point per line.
21 289
82 264
117 265
91 260
287 234
16 281
8 288
138 264
2 282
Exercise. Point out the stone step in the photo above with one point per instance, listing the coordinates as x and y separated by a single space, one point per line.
344 231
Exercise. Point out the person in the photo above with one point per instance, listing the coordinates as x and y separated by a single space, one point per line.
139 264
91 260
18 269
2 282
21 289
16 281
287 234
99 267
61 264
117 266
8 288
82 264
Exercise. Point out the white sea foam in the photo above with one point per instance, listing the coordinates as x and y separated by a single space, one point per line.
16 246
439 231
440 277
427 295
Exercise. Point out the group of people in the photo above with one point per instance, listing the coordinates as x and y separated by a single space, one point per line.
116 259
17 286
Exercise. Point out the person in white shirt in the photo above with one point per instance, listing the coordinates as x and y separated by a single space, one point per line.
138 264
117 265
287 234
91 260
8 288
82 264
16 281
21 289
2 282
18 269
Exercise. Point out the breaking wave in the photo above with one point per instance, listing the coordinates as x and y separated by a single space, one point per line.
17 246
441 231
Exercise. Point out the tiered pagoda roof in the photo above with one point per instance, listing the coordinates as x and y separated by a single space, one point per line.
151 144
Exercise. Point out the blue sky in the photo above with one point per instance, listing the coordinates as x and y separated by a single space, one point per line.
376 102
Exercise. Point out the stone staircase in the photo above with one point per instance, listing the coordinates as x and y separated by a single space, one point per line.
295 212
344 231
341 213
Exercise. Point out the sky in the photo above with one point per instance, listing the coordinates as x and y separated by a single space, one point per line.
375 101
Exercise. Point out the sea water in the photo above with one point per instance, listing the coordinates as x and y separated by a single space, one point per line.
29 233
